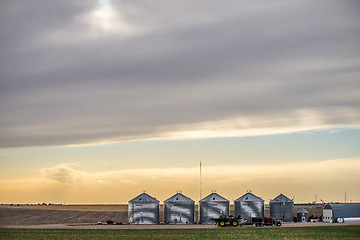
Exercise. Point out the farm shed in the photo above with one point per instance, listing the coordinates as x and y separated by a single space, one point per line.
302 215
143 209
179 209
333 211
282 208
249 205
213 206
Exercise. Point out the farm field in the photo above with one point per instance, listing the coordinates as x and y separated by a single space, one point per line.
68 214
29 216
73 207
330 232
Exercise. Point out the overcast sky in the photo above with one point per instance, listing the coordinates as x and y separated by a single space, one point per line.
92 92
78 72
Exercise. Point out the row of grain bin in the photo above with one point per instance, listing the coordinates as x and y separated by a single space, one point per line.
180 209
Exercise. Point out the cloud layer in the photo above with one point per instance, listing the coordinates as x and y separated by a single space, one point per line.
116 71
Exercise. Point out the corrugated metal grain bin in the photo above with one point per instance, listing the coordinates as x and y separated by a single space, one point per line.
212 206
143 209
249 205
302 215
179 209
282 208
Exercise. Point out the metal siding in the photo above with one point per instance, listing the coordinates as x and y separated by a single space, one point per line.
352 220
275 210
179 212
301 215
249 208
212 206
283 211
213 209
345 210
143 213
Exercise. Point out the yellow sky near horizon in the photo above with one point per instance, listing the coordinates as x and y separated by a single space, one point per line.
329 180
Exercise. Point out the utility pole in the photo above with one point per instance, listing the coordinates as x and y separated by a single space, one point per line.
345 197
200 183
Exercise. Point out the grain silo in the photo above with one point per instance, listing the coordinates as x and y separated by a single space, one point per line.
302 215
213 206
179 209
143 209
249 205
282 208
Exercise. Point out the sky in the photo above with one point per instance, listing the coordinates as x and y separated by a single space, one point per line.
102 100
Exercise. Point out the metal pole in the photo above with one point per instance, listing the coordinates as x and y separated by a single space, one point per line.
200 195
345 197
200 183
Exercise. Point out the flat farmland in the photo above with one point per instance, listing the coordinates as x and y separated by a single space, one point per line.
69 214
63 214
66 214
74 207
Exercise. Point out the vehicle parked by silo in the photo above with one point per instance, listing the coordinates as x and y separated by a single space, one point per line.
143 209
179 209
302 215
213 206
282 208
249 205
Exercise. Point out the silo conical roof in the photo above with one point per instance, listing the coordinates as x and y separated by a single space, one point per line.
214 197
179 197
302 210
281 198
144 197
249 197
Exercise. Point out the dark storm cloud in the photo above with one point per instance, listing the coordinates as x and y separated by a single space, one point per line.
65 80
